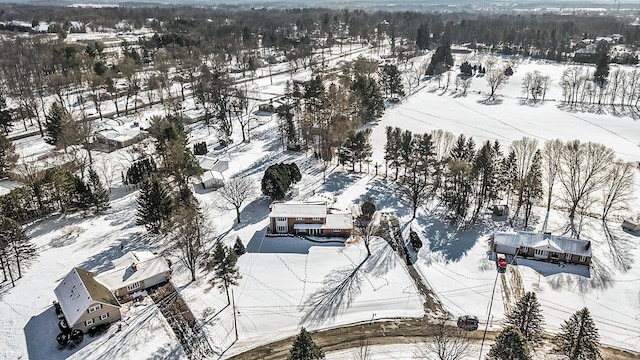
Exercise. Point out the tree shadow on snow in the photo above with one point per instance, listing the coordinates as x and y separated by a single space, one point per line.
337 182
254 212
380 189
102 261
341 286
599 277
620 246
454 242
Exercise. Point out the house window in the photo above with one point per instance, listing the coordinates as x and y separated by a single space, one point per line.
336 230
281 219
104 316
524 249
88 322
300 218
133 286
582 259
95 308
281 228
316 219
541 252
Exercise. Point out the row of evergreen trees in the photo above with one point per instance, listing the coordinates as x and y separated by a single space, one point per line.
577 339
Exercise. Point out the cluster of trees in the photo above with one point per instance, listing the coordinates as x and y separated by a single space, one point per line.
319 117
577 339
55 189
579 86
16 249
467 180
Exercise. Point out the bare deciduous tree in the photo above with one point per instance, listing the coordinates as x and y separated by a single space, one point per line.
583 170
617 187
448 343
551 165
187 238
524 149
236 191
495 78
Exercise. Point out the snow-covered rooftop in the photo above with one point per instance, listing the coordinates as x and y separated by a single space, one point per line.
78 290
131 268
298 209
544 242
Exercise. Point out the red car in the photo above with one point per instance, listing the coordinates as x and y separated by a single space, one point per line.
501 259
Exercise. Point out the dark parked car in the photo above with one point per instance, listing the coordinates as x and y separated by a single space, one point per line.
468 322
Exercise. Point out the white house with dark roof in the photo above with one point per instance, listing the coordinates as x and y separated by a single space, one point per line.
85 302
135 271
321 216
543 247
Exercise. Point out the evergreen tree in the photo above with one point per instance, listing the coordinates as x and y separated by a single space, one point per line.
5 116
368 98
278 178
441 61
54 123
358 147
224 266
602 63
405 150
578 338
509 345
304 348
8 156
82 198
466 69
483 171
391 149
15 246
154 205
238 247
527 317
391 80
100 196
423 37
532 186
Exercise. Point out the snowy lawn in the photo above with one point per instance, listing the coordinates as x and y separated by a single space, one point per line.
289 282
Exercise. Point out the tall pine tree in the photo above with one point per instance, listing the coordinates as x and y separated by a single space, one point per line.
510 344
224 266
527 317
304 348
154 205
578 338
54 123
99 195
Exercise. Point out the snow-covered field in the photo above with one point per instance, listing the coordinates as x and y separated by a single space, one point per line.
284 280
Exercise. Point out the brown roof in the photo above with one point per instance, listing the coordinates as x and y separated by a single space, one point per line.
97 291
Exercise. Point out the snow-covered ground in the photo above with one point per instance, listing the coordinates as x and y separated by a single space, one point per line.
284 279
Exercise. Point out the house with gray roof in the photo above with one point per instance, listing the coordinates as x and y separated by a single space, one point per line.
85 302
544 246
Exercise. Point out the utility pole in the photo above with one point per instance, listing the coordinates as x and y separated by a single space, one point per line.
235 321
484 336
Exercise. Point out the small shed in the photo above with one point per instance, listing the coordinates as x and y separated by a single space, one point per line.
212 179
